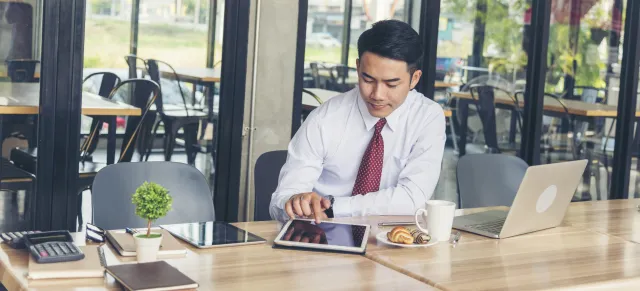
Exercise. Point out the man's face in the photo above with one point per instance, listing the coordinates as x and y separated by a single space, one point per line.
384 83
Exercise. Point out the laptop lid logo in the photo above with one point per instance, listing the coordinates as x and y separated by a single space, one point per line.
546 199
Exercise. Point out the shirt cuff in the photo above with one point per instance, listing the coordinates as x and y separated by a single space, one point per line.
279 213
342 207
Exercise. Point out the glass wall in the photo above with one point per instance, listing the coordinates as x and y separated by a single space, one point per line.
176 35
176 32
329 61
481 58
367 12
325 21
20 42
584 59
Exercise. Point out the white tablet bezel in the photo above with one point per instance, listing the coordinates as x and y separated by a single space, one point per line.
359 250
191 242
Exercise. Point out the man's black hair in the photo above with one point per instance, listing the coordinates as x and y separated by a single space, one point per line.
392 39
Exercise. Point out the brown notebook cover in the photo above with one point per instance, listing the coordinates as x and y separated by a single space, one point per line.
126 245
89 267
154 276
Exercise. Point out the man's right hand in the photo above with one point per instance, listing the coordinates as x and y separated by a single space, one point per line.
307 205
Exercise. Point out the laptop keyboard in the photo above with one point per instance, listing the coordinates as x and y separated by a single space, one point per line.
491 226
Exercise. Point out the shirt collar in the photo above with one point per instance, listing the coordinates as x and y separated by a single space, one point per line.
393 118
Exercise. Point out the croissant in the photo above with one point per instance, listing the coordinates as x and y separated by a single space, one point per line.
400 235
420 237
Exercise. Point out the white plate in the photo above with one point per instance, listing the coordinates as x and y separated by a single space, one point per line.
382 237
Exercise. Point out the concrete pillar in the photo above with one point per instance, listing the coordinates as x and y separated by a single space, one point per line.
269 94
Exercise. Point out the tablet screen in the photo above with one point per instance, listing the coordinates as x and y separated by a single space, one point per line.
327 233
211 233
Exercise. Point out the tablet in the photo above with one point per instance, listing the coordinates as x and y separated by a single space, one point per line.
329 236
211 234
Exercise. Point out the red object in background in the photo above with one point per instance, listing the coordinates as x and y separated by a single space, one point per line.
561 11
119 123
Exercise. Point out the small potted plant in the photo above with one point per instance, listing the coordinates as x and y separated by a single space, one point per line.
152 202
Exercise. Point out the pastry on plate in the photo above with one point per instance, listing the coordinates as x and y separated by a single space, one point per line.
420 237
400 235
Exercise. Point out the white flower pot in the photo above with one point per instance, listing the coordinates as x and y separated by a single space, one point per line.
147 248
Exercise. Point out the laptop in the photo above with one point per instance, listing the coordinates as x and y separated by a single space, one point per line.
541 202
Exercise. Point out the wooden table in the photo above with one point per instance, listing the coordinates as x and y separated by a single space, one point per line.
569 256
24 98
257 267
575 107
194 75
309 103
592 249
444 85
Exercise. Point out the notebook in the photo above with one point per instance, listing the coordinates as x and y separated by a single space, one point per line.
92 266
154 276
125 244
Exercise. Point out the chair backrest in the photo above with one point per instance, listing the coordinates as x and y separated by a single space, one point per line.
265 181
339 73
145 93
114 185
483 97
338 78
315 74
488 179
107 82
132 63
22 70
153 68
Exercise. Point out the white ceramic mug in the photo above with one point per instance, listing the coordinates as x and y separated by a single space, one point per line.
440 219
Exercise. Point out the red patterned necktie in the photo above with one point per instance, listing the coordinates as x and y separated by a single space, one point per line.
368 179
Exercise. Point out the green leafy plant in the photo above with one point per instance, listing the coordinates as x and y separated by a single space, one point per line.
152 202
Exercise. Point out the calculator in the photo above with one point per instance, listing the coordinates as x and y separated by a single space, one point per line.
52 247
15 239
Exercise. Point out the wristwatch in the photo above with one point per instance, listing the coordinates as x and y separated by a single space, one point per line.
329 211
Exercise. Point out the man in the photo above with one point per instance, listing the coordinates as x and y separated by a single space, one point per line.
375 150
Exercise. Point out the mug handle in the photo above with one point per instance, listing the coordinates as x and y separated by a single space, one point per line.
415 217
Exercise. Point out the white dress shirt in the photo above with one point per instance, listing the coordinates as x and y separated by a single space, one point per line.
325 154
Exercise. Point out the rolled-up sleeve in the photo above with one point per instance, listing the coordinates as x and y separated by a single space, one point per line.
303 167
416 182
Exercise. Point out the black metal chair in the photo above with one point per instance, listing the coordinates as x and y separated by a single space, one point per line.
135 67
145 92
22 70
265 181
315 74
26 158
114 185
107 83
187 119
484 98
338 78
14 179
488 179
